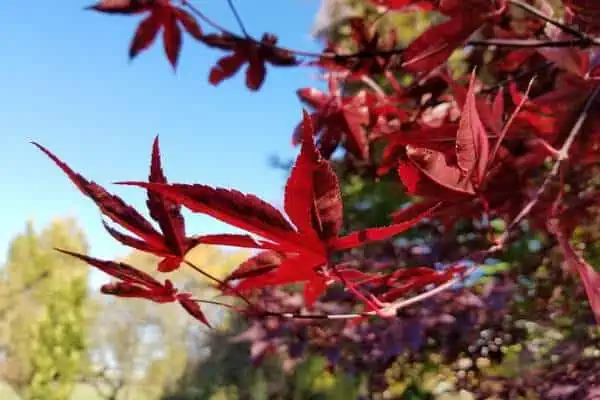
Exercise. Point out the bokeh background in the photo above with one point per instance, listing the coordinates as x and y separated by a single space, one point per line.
66 83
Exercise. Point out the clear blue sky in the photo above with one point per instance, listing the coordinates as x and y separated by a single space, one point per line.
66 82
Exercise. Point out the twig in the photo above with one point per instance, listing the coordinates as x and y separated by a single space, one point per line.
516 77
204 18
563 154
373 85
582 40
238 18
220 282
565 28
509 123
530 43
392 309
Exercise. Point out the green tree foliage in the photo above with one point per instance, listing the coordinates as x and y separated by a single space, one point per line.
43 300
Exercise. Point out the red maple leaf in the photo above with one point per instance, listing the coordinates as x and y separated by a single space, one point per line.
247 50
305 242
162 14
436 44
337 118
172 244
135 283
437 174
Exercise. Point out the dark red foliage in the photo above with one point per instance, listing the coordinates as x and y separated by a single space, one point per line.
171 243
162 15
373 55
247 51
305 244
135 283
585 14
336 118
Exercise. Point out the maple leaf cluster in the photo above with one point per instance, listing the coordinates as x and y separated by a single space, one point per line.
166 16
514 141
294 248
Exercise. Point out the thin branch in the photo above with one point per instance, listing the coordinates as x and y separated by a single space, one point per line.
516 77
509 122
582 40
367 80
220 282
205 18
530 43
565 28
563 155
392 309
238 18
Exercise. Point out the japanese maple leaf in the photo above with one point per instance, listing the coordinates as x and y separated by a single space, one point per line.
490 113
309 234
247 50
436 44
440 138
440 175
550 115
135 283
162 15
171 243
337 118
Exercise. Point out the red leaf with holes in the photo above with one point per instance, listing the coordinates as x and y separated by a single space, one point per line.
444 176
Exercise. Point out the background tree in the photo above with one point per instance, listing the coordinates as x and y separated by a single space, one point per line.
44 321
140 351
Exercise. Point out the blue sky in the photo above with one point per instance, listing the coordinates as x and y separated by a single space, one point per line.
66 82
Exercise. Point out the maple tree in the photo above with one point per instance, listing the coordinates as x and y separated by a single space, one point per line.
514 141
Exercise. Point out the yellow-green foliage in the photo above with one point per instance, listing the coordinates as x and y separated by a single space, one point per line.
43 296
